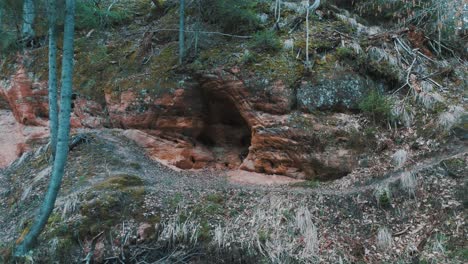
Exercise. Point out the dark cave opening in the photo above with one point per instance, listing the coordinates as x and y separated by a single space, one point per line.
225 131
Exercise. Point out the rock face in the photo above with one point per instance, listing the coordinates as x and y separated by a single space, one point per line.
15 137
338 92
27 99
216 120
279 145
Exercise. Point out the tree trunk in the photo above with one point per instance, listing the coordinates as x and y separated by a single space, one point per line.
307 36
62 137
181 31
53 111
1 17
29 13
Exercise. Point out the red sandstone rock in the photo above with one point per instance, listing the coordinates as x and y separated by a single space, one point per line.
27 99
277 147
15 137
218 122
175 151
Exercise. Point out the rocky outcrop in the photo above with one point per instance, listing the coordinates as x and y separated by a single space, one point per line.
15 137
26 98
340 91
215 120
278 144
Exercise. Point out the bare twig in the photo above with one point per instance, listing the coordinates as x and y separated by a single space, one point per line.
89 257
343 34
401 232
407 76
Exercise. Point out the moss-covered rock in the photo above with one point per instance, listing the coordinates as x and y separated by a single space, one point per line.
339 91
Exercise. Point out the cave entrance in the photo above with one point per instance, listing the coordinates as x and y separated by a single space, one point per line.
225 132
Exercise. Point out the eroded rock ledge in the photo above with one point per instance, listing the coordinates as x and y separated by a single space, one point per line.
213 121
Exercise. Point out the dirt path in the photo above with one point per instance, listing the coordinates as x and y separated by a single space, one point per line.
265 182
394 176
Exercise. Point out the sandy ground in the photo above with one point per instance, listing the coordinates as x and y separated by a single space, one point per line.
253 178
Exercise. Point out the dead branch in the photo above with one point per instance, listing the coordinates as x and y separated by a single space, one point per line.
407 83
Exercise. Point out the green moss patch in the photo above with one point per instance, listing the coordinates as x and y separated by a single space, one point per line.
119 182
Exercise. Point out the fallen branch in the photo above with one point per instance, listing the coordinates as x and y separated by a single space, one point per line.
401 232
435 74
77 140
388 34
89 257
344 35
407 76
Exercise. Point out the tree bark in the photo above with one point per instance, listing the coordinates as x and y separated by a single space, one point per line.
53 111
307 36
29 14
1 17
181 31
62 137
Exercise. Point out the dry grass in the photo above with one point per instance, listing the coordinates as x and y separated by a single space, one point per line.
399 158
450 118
70 205
409 183
403 113
180 232
288 44
384 239
446 121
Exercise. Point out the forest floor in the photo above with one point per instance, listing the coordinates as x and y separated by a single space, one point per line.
111 186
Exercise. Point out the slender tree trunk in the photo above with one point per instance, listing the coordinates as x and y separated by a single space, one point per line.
307 36
181 31
1 17
62 137
439 30
278 16
29 13
53 111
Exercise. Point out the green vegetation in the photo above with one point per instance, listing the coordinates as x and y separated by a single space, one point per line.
89 15
232 16
383 196
345 53
120 181
376 106
266 41
248 58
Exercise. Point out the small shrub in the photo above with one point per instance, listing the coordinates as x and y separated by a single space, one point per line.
233 16
266 40
377 106
89 15
344 53
383 196
248 58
